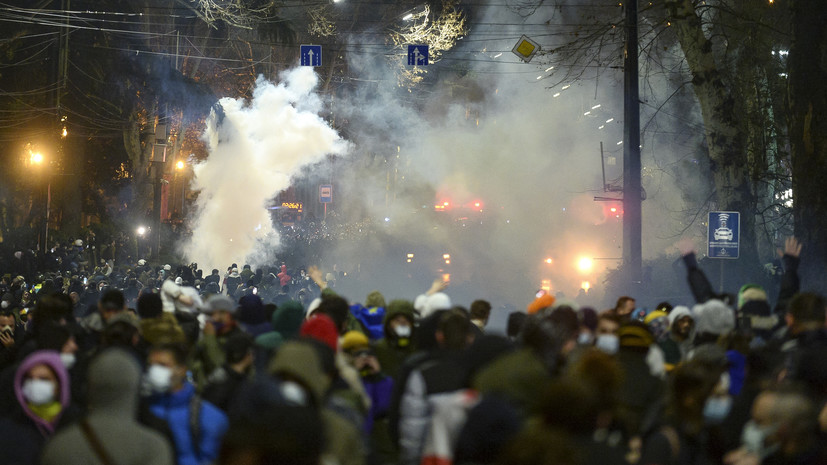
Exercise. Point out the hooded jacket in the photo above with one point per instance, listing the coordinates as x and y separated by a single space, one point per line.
114 379
174 407
301 362
389 352
164 328
286 321
23 434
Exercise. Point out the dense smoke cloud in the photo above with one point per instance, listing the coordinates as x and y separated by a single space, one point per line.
521 139
255 149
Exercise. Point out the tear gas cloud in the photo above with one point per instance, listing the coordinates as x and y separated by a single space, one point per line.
526 149
523 142
255 149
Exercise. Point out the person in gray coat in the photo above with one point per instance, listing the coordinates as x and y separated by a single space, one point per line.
110 433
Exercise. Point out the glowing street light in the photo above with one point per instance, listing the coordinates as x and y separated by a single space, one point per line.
179 165
141 230
36 158
584 264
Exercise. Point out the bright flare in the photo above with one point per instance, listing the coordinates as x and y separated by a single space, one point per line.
584 264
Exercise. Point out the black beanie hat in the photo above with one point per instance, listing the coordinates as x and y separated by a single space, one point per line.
150 306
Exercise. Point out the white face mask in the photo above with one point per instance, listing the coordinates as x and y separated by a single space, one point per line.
716 409
585 339
294 393
403 331
159 378
39 391
7 328
4 304
754 437
68 360
608 343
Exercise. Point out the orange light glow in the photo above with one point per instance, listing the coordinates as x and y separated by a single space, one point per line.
584 264
585 285
548 260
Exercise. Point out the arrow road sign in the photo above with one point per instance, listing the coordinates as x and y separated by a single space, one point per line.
311 55
417 55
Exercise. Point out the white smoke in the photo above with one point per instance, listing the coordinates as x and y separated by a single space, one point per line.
254 151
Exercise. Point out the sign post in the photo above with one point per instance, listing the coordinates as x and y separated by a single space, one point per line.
724 238
326 196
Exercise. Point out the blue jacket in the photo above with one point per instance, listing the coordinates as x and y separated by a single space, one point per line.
380 389
175 409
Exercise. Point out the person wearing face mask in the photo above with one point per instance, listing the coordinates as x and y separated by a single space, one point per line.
682 437
197 425
398 343
114 380
306 368
41 389
783 430
606 333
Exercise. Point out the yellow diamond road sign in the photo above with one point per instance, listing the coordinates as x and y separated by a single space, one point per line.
525 48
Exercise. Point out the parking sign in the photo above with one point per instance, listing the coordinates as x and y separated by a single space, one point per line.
724 231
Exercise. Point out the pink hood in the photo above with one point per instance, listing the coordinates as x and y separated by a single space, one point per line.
51 359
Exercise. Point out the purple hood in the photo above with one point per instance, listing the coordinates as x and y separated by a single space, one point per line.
51 359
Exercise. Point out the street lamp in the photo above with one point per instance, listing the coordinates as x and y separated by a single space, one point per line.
37 159
180 166
584 264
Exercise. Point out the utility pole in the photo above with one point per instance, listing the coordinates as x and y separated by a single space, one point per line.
632 192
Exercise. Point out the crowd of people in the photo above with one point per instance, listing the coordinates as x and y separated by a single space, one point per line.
111 362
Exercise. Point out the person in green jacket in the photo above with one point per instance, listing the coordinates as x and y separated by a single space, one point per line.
398 343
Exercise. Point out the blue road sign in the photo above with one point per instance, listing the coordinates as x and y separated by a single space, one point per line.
311 55
417 55
326 193
724 234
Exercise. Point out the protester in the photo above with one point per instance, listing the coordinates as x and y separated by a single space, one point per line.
110 433
290 370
